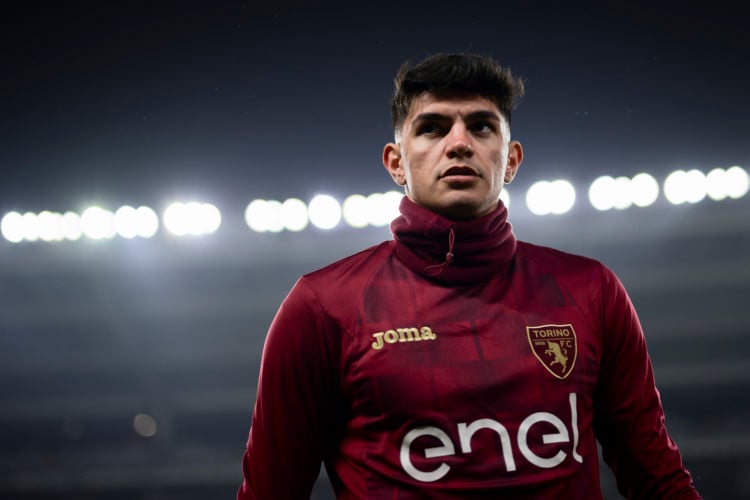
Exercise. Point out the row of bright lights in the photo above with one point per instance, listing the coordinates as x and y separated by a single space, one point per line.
379 209
642 190
97 223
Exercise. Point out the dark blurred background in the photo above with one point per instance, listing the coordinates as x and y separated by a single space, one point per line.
128 367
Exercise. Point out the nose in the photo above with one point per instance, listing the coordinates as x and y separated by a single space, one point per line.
459 142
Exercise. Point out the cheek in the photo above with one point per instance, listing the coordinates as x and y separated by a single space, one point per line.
498 159
416 162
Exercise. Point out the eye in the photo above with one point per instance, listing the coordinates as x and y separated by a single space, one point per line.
483 127
428 128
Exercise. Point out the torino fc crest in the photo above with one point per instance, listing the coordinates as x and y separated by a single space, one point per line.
555 346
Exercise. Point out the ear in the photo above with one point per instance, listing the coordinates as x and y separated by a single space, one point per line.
515 157
392 163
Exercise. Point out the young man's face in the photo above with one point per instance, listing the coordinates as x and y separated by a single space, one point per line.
453 155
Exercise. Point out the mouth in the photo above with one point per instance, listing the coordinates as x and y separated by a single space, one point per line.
459 171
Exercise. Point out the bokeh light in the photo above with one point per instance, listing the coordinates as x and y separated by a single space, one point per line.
325 211
550 197
192 218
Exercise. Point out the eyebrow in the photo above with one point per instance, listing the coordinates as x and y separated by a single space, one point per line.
474 115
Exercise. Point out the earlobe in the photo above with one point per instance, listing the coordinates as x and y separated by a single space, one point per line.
392 163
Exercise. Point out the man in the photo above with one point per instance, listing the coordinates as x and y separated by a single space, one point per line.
455 361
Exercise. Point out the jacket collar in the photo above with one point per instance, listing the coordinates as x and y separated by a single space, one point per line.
453 252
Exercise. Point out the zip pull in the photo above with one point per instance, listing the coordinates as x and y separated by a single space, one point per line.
438 268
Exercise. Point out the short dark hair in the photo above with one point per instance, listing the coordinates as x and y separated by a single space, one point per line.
455 74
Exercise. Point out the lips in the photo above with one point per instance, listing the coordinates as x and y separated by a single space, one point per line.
460 171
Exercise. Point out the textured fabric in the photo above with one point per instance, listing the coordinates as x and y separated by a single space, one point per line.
479 247
491 378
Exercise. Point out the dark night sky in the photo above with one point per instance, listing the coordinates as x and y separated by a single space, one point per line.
141 103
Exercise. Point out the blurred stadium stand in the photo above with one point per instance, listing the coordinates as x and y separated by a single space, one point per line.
94 333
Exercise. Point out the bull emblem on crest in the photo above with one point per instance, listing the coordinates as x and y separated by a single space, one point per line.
555 346
559 355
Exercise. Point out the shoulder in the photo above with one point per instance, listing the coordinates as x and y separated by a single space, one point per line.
353 263
579 275
556 261
347 276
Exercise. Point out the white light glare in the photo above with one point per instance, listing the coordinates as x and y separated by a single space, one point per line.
72 228
378 209
606 193
294 214
274 224
12 227
131 222
325 211
49 226
46 226
550 197
644 190
29 226
98 223
379 213
273 216
355 211
731 183
257 215
383 208
685 187
192 218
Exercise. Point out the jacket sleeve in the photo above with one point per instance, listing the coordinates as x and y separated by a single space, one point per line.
629 419
297 387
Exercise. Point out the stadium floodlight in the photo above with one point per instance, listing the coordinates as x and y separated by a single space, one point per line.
383 207
192 218
621 193
125 222
674 187
174 219
148 221
355 211
565 196
601 193
685 187
376 210
275 222
29 226
730 183
644 190
257 215
738 182
607 193
98 223
696 186
207 216
72 229
550 197
131 222
325 211
716 184
294 215
49 226
12 227
536 198
391 202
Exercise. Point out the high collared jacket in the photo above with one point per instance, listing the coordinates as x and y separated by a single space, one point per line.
457 362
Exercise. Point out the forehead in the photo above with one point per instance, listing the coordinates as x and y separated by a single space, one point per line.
451 106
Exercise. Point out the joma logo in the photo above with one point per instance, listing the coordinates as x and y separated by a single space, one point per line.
409 334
